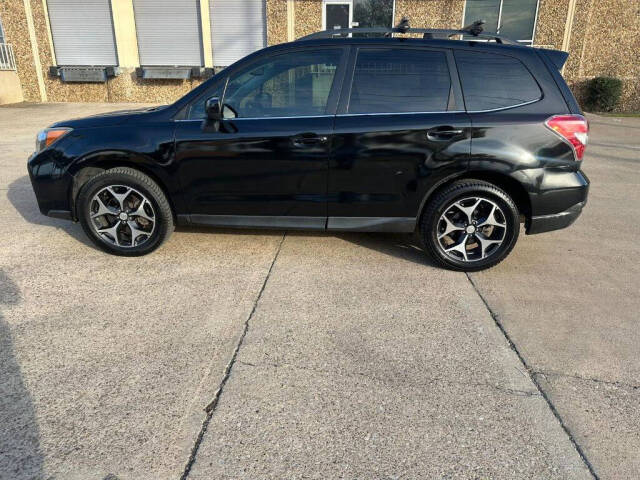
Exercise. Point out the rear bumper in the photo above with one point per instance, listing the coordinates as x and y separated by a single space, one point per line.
556 221
560 204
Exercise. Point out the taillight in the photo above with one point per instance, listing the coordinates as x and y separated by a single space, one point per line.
574 129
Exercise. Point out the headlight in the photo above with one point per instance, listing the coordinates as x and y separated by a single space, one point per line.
48 136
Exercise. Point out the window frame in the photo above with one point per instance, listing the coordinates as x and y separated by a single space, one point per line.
517 59
332 100
528 43
345 97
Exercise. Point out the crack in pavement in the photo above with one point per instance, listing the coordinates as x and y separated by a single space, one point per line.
210 409
532 376
430 380
586 379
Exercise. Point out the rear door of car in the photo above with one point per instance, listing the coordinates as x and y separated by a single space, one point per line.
400 128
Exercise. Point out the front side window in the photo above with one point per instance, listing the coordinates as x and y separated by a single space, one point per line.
515 19
288 85
400 81
491 81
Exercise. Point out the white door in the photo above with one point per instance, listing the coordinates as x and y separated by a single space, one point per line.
82 32
238 28
168 32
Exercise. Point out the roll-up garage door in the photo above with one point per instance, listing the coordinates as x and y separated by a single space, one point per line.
237 29
82 32
168 32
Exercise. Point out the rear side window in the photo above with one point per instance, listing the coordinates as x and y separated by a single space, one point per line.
400 80
495 81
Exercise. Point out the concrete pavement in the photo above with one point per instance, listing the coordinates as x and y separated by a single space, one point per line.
319 356
570 302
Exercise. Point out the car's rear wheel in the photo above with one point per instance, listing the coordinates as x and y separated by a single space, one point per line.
124 212
471 225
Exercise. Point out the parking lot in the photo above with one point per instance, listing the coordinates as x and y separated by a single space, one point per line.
273 354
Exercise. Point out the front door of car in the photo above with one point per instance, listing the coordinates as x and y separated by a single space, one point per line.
266 162
400 128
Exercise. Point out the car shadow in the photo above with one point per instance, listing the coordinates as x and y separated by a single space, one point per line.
20 454
399 245
21 196
403 246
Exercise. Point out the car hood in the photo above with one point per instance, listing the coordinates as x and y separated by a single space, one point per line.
112 118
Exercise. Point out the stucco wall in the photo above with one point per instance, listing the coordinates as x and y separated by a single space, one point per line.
14 21
10 89
277 24
552 18
605 40
431 13
308 17
124 88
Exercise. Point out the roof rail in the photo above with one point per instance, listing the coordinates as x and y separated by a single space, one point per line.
474 30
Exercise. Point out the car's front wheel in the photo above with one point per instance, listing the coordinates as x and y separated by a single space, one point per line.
471 225
124 212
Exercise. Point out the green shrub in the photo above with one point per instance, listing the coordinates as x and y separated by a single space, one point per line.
603 94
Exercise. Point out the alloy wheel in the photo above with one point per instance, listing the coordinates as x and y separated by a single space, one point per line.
471 229
122 216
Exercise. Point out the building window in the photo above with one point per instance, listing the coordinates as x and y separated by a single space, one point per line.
373 13
357 13
515 19
1 32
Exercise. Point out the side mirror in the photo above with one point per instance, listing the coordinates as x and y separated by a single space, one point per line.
213 109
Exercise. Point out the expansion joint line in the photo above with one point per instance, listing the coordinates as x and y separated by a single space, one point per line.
533 378
210 409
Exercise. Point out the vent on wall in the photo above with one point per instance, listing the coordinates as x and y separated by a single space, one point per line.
84 74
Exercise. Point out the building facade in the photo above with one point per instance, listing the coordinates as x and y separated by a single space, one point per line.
157 50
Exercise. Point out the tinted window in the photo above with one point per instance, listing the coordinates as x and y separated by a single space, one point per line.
494 81
197 109
400 80
288 85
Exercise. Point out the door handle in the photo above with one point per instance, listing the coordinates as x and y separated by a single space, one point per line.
308 139
440 134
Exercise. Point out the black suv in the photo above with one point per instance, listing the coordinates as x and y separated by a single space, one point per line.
459 140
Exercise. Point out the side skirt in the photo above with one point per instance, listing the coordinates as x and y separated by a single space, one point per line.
247 221
371 224
334 224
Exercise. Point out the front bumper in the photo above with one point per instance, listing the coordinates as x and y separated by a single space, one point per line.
51 184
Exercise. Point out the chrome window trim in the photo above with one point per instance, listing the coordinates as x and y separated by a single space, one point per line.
440 112
257 118
506 108
370 114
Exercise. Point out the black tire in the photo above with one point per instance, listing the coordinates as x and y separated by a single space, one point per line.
431 226
131 178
